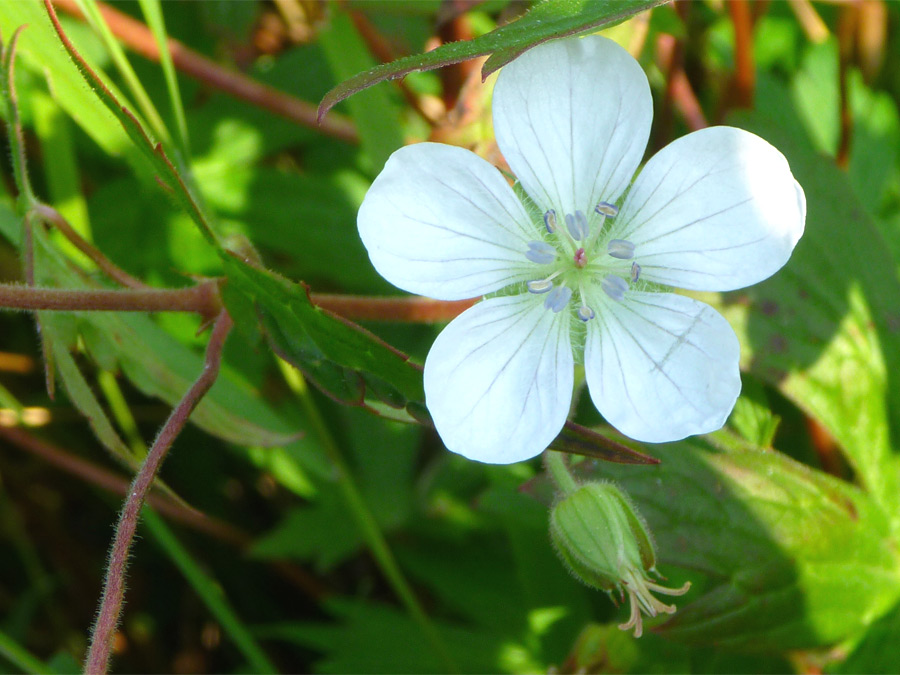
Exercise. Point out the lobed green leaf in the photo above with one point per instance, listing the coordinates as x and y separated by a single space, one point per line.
794 558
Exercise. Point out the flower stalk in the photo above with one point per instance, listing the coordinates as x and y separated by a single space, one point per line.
114 586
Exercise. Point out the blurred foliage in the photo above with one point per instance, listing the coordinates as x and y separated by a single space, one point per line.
317 513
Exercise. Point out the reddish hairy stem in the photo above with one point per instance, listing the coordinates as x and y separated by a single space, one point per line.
409 308
138 37
114 585
202 298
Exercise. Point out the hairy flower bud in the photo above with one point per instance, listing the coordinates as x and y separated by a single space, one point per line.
603 540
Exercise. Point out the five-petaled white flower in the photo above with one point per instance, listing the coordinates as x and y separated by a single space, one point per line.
581 266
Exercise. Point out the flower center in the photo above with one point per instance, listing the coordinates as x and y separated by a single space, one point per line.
578 255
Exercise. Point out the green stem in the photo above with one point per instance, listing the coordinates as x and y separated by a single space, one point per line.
365 521
559 471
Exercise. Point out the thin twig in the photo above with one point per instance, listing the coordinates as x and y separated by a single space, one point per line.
202 299
407 308
139 38
744 82
50 215
845 33
816 30
679 93
111 482
381 50
114 586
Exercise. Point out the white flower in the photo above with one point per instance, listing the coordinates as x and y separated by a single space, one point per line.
578 276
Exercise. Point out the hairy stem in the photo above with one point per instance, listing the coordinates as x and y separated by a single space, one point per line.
415 309
114 585
202 298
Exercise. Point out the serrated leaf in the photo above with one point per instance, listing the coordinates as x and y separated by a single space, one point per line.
338 356
794 558
547 20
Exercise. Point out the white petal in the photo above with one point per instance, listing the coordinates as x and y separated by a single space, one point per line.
498 379
716 210
661 366
572 118
442 222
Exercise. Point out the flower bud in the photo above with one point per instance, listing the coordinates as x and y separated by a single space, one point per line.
603 540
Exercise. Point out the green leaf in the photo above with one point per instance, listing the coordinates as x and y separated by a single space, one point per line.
825 329
547 20
84 400
879 650
152 10
794 558
152 152
383 455
370 638
163 368
342 359
64 80
94 17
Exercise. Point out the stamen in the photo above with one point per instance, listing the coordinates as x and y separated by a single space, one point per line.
614 287
559 297
634 620
570 225
540 252
577 225
585 313
550 221
621 249
539 286
582 223
635 272
580 259
607 209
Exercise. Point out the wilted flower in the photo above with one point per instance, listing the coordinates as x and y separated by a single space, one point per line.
577 264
